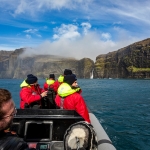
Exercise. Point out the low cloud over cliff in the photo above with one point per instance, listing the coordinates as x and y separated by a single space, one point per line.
68 42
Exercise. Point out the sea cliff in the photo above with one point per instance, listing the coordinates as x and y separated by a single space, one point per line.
132 61
14 65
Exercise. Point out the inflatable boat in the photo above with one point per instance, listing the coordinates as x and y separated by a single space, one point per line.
57 129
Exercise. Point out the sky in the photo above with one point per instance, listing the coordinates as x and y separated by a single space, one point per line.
73 28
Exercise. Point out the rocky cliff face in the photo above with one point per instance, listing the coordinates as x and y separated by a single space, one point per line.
86 66
14 66
132 61
8 62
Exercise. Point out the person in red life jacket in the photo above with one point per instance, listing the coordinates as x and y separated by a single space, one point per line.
69 97
61 77
31 93
51 83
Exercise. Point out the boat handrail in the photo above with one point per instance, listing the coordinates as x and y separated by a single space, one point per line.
47 114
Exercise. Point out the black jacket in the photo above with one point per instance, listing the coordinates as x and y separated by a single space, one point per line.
9 141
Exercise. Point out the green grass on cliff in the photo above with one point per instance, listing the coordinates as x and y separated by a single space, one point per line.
134 69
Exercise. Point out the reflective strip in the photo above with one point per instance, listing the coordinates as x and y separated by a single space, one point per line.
61 103
104 141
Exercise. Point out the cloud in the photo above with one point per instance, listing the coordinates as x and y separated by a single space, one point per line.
34 6
86 26
106 36
91 8
53 22
70 43
75 28
28 36
31 31
38 35
117 23
66 32
21 8
135 11
100 12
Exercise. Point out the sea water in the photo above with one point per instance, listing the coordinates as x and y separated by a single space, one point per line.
121 106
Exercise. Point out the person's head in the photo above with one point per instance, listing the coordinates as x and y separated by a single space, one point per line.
52 76
7 109
71 80
67 72
31 79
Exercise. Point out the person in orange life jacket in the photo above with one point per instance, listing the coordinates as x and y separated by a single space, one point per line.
69 97
8 139
31 93
51 83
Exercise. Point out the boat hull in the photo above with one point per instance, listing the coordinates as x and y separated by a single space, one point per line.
104 142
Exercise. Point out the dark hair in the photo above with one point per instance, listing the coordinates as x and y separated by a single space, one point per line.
52 76
70 79
31 79
5 96
67 72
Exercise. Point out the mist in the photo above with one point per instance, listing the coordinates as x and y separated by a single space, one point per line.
88 45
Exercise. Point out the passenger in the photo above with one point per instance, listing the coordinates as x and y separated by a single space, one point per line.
8 140
51 83
61 77
31 93
69 97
